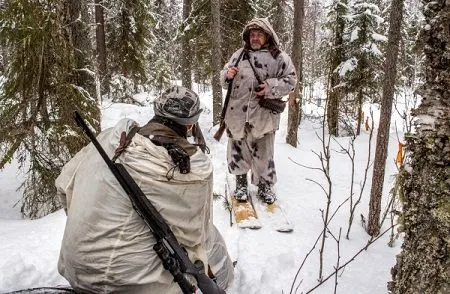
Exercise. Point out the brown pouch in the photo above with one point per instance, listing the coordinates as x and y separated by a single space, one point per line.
276 105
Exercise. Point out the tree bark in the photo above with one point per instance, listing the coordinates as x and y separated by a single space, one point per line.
216 61
359 111
390 72
423 266
313 55
101 45
79 32
335 92
186 71
295 99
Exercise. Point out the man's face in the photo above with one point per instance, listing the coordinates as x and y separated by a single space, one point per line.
257 39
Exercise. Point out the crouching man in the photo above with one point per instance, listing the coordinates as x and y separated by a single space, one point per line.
107 247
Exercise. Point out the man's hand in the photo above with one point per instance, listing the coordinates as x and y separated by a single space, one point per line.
231 72
262 90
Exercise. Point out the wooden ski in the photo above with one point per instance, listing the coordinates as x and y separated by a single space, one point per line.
244 214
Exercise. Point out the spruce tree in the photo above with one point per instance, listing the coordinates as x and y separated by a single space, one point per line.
235 15
164 57
46 79
335 56
312 58
200 45
280 15
363 80
282 22
411 57
129 28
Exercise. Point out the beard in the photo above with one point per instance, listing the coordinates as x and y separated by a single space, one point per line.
256 45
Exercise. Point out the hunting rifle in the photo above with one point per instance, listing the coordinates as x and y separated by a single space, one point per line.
222 126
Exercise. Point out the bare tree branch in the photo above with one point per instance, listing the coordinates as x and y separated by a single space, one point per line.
369 242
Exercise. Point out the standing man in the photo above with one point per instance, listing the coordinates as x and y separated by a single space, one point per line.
107 247
251 127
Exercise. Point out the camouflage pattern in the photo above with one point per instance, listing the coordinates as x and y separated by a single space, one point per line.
280 77
179 104
255 154
250 127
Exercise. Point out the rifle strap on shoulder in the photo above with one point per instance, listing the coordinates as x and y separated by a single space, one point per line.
247 54
125 140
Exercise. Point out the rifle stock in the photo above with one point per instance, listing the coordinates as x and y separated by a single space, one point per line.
220 131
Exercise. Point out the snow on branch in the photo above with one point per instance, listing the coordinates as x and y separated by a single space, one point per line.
347 66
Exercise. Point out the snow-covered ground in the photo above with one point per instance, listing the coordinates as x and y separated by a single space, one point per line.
267 260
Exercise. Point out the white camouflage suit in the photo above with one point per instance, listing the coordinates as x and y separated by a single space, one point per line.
250 127
107 247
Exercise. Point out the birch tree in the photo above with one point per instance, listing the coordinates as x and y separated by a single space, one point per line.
423 266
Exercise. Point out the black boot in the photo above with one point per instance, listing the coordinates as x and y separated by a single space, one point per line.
266 193
241 192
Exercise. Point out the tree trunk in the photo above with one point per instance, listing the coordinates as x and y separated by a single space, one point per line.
423 266
390 73
334 98
359 112
313 55
3 61
335 92
101 45
186 72
79 32
295 99
216 61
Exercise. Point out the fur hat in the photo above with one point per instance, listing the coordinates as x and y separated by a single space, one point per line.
178 104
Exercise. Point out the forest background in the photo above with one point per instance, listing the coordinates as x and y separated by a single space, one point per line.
57 56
